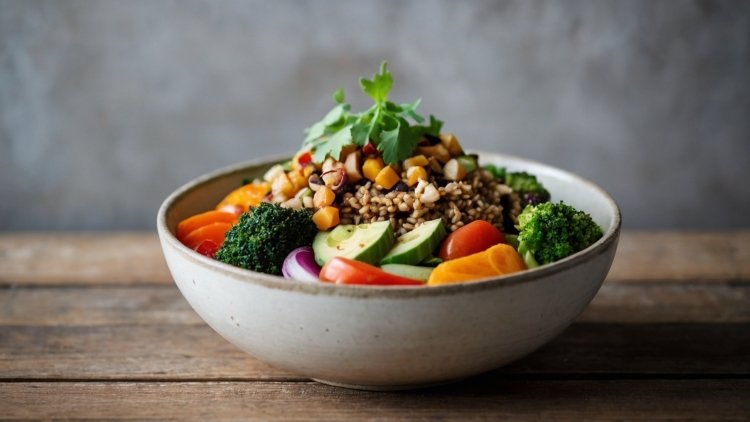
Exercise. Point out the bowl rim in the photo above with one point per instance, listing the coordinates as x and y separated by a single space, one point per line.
167 238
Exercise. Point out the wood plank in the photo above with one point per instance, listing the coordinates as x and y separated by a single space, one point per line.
82 258
136 258
182 352
669 302
471 400
680 256
154 305
95 306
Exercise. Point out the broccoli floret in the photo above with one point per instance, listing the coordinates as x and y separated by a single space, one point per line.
264 237
498 173
530 190
549 232
525 185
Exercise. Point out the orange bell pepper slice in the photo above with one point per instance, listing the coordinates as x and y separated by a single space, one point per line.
246 196
214 232
190 224
497 260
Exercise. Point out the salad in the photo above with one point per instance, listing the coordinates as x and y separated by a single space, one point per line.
385 197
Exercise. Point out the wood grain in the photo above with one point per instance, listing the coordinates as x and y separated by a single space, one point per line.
187 352
82 258
136 258
156 305
476 399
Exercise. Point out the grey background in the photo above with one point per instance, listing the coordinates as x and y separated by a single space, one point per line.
108 106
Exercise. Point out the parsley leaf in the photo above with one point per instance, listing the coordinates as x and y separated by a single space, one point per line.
386 124
332 146
379 86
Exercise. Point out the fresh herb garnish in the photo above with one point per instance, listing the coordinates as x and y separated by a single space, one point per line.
386 124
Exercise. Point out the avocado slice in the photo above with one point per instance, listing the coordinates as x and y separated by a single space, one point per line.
408 271
412 247
362 242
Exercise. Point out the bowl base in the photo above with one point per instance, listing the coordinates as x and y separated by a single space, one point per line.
378 387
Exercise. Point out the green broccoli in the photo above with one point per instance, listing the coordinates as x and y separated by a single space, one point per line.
549 232
529 189
264 237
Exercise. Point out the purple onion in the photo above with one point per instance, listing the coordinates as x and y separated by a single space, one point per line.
300 265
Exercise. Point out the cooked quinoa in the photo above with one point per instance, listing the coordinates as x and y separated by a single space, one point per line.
479 196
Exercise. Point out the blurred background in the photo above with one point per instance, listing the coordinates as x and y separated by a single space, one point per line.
108 106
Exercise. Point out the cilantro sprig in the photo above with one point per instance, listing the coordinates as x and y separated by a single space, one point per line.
386 124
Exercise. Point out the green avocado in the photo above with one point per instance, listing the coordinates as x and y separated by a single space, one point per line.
409 271
413 247
367 242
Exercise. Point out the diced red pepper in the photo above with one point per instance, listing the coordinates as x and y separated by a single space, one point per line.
304 159
369 149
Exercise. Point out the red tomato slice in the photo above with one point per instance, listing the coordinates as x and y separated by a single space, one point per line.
348 271
474 237
208 247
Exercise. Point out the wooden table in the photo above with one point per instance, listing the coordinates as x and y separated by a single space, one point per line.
91 326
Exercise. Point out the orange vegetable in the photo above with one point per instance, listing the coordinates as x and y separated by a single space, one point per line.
214 232
323 197
497 260
247 196
387 177
326 217
414 174
190 224
372 167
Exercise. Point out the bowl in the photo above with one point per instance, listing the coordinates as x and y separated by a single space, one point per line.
388 338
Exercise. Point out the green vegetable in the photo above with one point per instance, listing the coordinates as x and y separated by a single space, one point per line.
409 271
498 172
529 189
549 232
367 242
386 124
413 247
261 239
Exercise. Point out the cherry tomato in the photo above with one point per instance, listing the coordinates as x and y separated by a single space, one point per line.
474 237
348 271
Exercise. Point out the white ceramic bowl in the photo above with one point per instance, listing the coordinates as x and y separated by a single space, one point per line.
382 338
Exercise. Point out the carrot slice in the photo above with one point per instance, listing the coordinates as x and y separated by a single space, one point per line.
497 260
214 232
190 224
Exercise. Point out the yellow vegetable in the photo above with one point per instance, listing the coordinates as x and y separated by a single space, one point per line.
372 167
326 217
323 197
450 142
387 177
414 174
417 160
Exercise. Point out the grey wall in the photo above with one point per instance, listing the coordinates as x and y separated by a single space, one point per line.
107 106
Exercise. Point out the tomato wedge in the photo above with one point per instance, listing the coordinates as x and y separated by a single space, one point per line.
348 271
474 237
